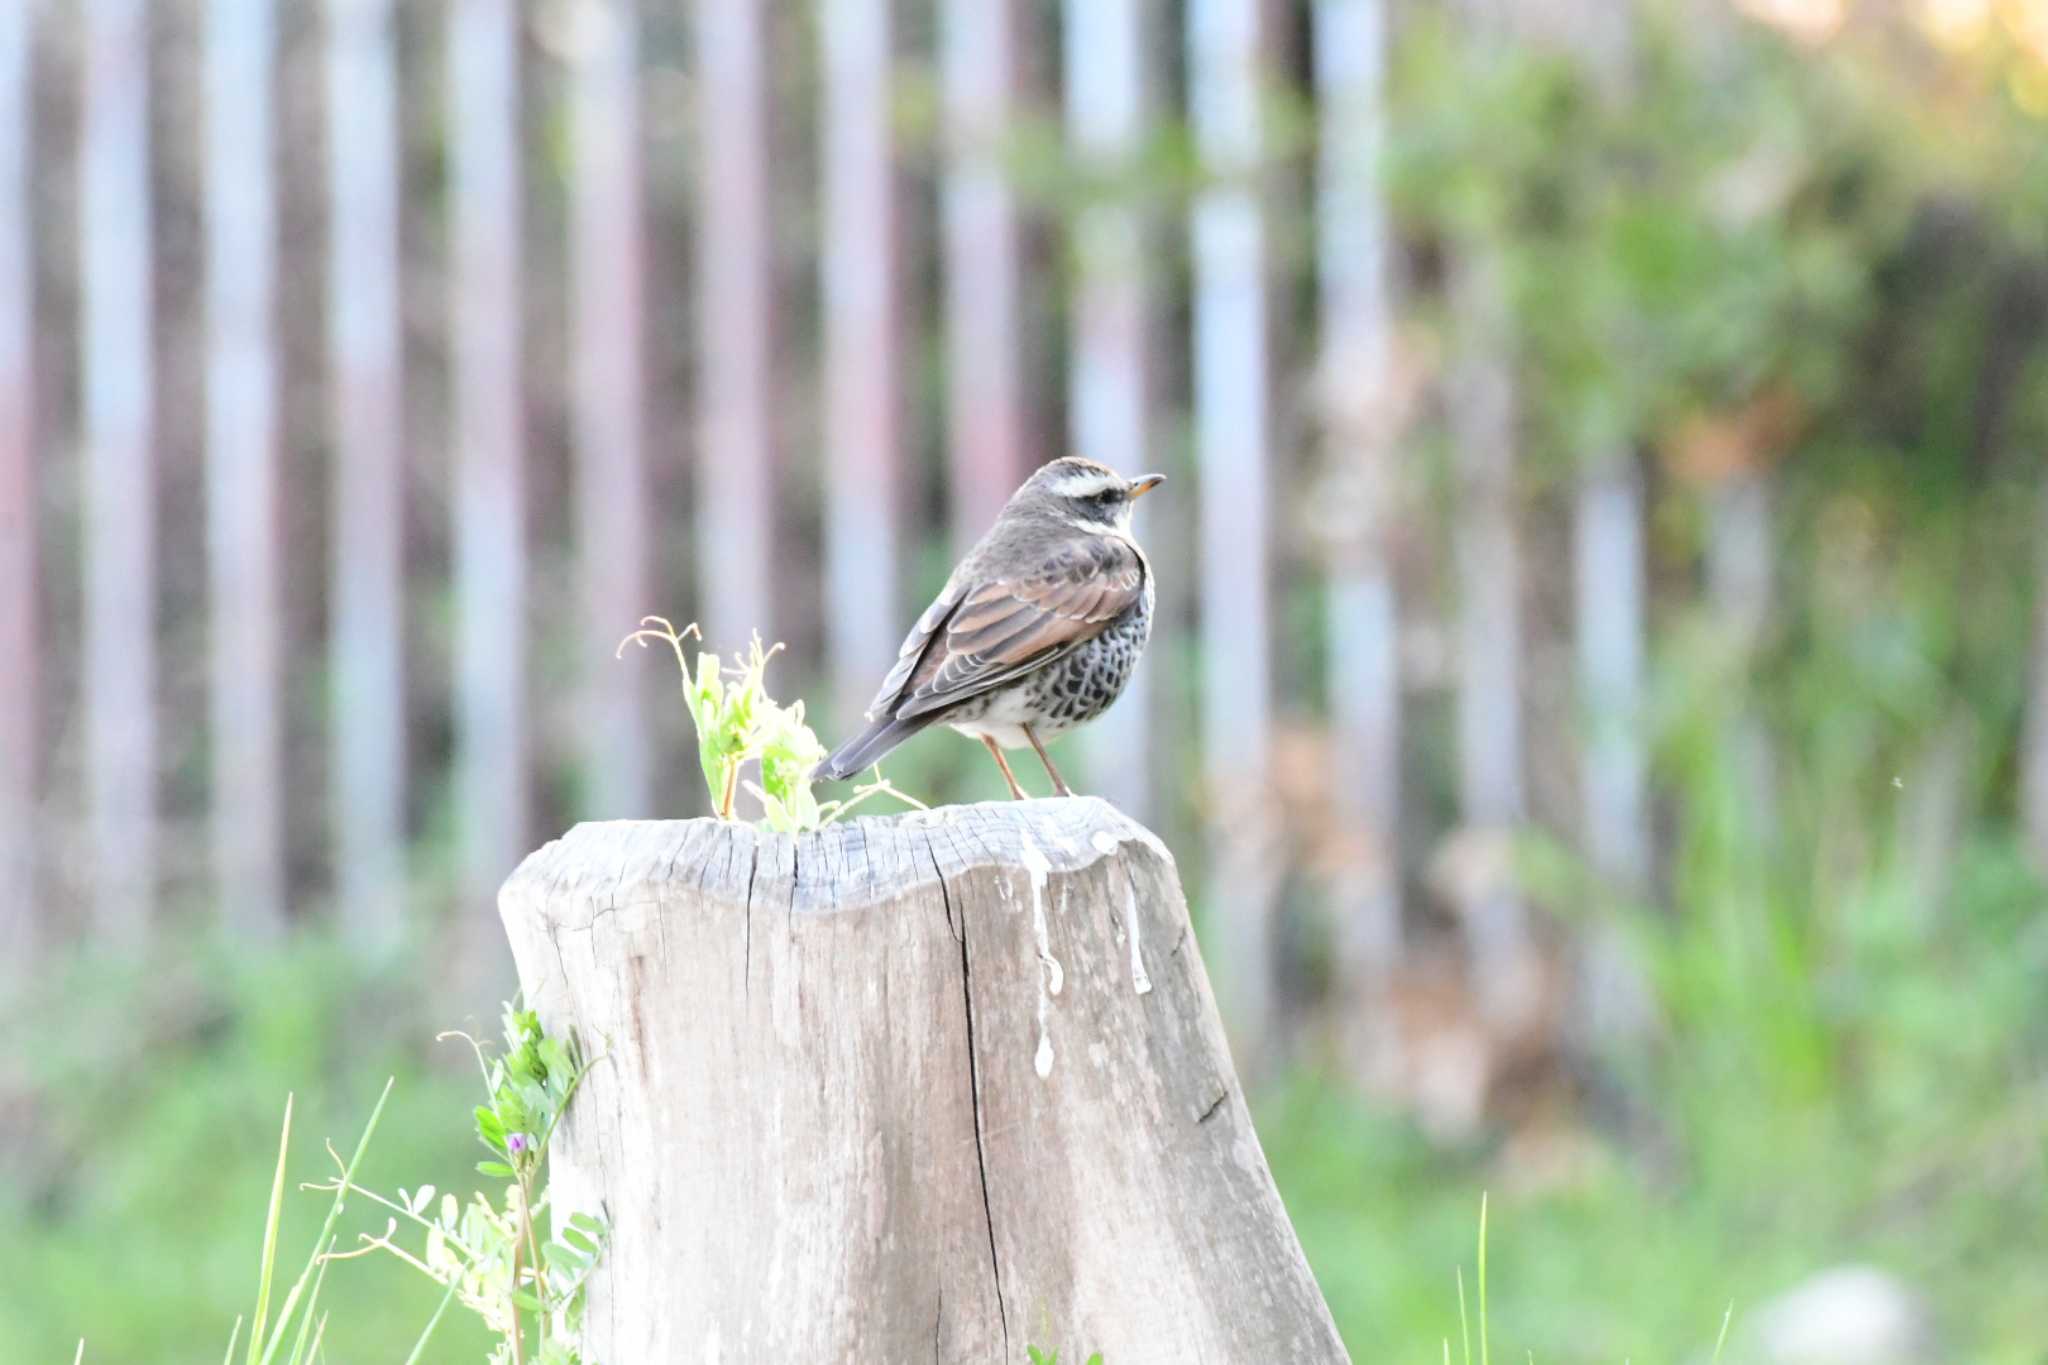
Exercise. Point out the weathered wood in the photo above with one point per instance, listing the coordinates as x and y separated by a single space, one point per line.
1109 369
939 1086
988 433
2034 733
20 582
862 341
607 265
1488 558
366 555
1741 570
1609 576
118 394
1357 389
485 320
244 553
1232 376
736 448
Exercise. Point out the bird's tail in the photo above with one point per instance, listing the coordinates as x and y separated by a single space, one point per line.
869 746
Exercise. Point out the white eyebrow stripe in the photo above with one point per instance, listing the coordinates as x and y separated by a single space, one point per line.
1086 485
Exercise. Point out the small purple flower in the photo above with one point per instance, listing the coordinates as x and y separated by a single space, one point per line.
515 1143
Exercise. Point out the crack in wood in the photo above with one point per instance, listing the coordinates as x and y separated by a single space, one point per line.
864 1059
747 945
974 1094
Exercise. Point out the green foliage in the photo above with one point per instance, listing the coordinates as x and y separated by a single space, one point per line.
134 1194
488 1254
1700 238
299 1306
1039 1357
1853 1026
145 1250
737 721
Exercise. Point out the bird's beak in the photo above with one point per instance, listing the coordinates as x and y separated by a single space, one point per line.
1144 484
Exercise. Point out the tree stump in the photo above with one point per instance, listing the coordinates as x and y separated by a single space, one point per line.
939 1086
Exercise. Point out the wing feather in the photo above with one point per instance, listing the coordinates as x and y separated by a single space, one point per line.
914 647
1006 627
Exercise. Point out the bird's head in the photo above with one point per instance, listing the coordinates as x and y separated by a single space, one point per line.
1086 493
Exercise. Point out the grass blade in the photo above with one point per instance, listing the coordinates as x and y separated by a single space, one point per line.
1722 1340
1483 1345
1464 1327
432 1323
262 1313
233 1336
326 1237
298 1355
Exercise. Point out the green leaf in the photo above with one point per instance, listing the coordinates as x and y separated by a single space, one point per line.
497 1169
326 1237
433 1322
560 1253
300 1346
269 1261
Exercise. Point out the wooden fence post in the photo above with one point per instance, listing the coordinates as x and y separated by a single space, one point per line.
21 744
946 1085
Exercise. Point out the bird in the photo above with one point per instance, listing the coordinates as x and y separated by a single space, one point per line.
1037 630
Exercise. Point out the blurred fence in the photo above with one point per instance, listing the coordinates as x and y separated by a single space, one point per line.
367 368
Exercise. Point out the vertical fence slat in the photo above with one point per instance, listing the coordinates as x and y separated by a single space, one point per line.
1488 568
1108 375
861 349
20 681
1232 435
490 508
609 270
365 340
1609 574
1611 996
120 470
241 467
736 292
2034 736
986 434
1740 567
1354 253
1610 590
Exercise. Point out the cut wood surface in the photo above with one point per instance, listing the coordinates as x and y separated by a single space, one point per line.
941 1086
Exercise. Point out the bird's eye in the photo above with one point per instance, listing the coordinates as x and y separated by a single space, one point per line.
1106 498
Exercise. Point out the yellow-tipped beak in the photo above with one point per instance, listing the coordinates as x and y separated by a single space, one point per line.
1144 484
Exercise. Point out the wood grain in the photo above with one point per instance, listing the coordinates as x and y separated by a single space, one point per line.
938 1086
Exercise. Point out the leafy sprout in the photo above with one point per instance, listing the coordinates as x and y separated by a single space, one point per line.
490 1254
737 721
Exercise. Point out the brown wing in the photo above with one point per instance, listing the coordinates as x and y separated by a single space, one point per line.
914 646
995 631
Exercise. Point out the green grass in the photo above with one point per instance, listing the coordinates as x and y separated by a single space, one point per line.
1616 1265
134 1206
148 1243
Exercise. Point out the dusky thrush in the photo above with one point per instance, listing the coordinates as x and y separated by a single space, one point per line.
1036 632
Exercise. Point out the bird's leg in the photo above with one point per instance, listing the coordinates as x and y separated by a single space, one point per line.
1059 784
1016 792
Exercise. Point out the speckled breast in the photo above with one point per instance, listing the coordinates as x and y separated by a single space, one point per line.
1082 686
